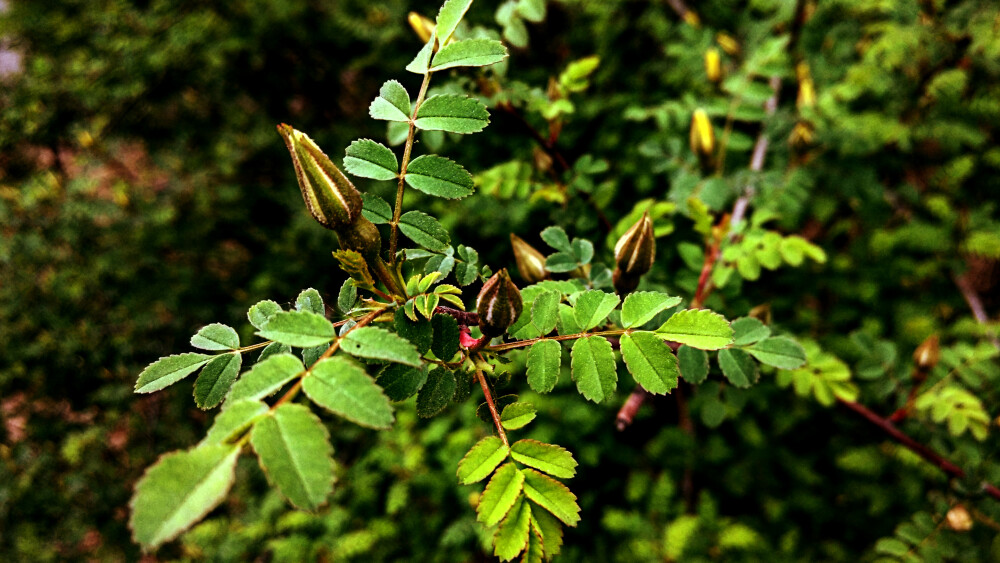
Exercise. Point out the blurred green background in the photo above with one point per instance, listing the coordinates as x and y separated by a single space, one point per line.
144 192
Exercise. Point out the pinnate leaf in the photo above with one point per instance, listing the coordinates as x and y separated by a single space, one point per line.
552 496
481 460
471 52
392 103
511 538
375 209
367 159
640 307
400 382
593 306
294 451
517 415
545 311
180 489
265 378
380 344
301 329
593 365
557 238
343 388
424 230
698 328
446 335
215 380
420 63
500 494
169 370
436 393
216 337
453 113
233 421
310 300
549 528
544 360
738 367
780 351
439 176
550 458
650 362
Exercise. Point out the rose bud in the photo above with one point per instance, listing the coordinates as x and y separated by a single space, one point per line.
702 138
530 262
330 197
927 354
421 25
713 64
634 255
498 305
959 519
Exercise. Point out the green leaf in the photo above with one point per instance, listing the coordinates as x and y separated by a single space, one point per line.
471 52
261 312
169 370
180 489
552 496
448 17
544 360
420 332
301 329
233 421
446 334
436 393
640 307
550 458
424 230
311 301
534 553
375 209
380 344
534 11
548 528
780 351
747 330
567 320
650 362
545 311
511 537
367 159
422 62
215 380
693 364
557 238
272 349
347 296
343 388
698 328
401 382
517 415
481 460
593 306
593 365
216 336
294 451
500 494
265 378
439 176
738 367
453 113
392 103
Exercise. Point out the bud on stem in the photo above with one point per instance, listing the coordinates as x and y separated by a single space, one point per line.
713 64
330 197
421 25
702 139
499 304
634 255
530 262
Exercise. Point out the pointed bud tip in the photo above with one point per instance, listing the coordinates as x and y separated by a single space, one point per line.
499 304
530 262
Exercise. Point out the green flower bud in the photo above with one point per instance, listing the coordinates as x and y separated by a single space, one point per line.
498 305
634 255
530 262
330 197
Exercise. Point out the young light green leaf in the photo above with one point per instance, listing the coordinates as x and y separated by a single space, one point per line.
261 312
548 528
593 306
368 159
439 176
534 11
545 311
424 230
453 113
693 364
392 103
436 393
544 360
650 362
640 307
375 209
747 330
216 337
301 329
535 552
380 344
738 367
294 451
401 382
215 380
511 538
180 489
779 351
311 301
500 494
448 17
517 415
265 378
552 496
422 62
471 52
343 388
233 421
593 365
698 328
169 370
481 460
550 458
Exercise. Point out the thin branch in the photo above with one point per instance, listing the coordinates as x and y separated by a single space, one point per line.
974 302
467 318
402 167
757 160
491 405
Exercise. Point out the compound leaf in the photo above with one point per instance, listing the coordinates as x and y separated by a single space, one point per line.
436 393
453 113
216 337
698 328
439 176
593 365
380 344
169 370
301 329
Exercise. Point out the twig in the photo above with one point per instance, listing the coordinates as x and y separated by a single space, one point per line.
974 302
491 405
467 318
757 160
402 168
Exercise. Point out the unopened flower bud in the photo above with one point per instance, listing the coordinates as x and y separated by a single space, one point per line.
807 89
713 64
926 355
330 197
959 519
702 138
498 305
530 262
421 25
728 44
634 255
